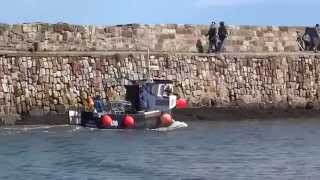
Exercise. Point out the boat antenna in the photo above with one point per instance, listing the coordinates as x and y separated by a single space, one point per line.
149 78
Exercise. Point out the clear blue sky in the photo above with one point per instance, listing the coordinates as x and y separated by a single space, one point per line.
110 12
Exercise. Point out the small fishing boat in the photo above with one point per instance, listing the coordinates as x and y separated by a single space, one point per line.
147 105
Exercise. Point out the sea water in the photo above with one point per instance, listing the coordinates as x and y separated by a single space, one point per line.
253 149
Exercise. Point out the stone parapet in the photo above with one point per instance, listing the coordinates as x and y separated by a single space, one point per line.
138 37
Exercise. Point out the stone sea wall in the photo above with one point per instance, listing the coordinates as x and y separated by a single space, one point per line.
135 37
54 82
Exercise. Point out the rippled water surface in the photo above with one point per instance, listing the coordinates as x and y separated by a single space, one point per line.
273 149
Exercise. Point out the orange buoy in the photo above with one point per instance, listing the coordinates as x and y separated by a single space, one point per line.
128 121
181 103
166 119
106 121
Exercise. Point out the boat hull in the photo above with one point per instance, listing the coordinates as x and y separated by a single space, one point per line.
146 120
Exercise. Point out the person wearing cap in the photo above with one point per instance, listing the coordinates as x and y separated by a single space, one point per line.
212 37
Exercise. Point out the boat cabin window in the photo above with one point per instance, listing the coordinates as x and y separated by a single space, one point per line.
144 96
164 90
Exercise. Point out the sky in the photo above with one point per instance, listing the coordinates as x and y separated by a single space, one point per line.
113 12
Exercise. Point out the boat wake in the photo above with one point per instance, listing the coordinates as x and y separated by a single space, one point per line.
174 126
33 127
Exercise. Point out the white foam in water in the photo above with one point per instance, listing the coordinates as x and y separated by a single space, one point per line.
77 128
28 128
33 127
175 125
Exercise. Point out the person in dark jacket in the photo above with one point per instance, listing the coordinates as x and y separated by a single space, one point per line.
316 39
98 104
212 37
317 27
222 34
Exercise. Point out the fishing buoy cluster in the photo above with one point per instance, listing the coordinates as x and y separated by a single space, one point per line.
181 103
127 121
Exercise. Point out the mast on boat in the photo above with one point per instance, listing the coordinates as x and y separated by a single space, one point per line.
149 77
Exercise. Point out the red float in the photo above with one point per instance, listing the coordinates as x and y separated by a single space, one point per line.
166 119
106 121
181 103
128 122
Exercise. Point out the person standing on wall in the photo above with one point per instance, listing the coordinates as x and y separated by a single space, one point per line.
212 37
317 27
316 40
222 34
